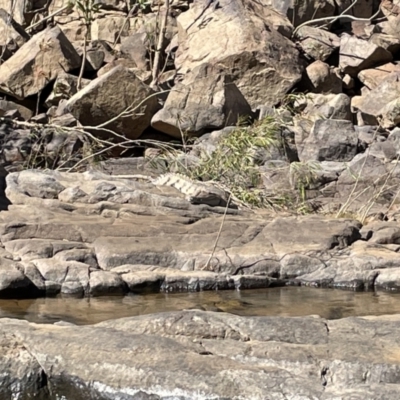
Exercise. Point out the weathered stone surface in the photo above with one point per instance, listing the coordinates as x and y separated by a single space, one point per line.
217 355
135 47
199 104
329 106
388 42
390 114
103 230
323 79
369 172
65 86
375 76
16 9
37 63
240 46
109 29
317 43
367 261
330 140
358 54
92 234
372 104
12 35
22 375
23 112
107 97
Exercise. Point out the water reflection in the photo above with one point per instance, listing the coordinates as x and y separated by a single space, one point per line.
286 301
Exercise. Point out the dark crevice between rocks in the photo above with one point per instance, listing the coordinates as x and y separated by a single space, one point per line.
323 374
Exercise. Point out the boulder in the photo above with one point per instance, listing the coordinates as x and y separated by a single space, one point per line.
330 140
368 171
357 54
330 106
323 79
37 63
23 112
117 92
109 28
317 43
373 77
262 63
382 100
201 102
12 35
16 9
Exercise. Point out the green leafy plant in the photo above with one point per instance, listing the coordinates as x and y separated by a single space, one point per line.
232 164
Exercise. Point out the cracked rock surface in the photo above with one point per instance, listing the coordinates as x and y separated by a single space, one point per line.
204 355
92 234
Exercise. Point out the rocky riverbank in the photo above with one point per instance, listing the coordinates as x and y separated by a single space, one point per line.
282 118
91 234
193 355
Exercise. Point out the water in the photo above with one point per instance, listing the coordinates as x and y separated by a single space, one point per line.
286 301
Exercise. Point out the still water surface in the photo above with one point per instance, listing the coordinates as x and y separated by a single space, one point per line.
286 301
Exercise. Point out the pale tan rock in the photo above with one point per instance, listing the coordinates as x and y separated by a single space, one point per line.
111 94
390 114
74 29
374 76
109 28
389 42
329 106
323 78
317 43
203 101
358 54
382 100
348 82
15 8
238 38
12 35
37 63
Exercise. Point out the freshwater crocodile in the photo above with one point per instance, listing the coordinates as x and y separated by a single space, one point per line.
196 192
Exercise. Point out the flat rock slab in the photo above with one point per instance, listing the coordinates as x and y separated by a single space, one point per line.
203 355
92 234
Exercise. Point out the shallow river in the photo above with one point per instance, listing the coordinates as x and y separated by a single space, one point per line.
286 301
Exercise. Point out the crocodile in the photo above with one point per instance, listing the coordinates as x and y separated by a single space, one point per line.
210 193
195 192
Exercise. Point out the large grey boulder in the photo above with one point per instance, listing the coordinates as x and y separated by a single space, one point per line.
330 140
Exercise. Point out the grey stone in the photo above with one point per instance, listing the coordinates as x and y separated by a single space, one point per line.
330 140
